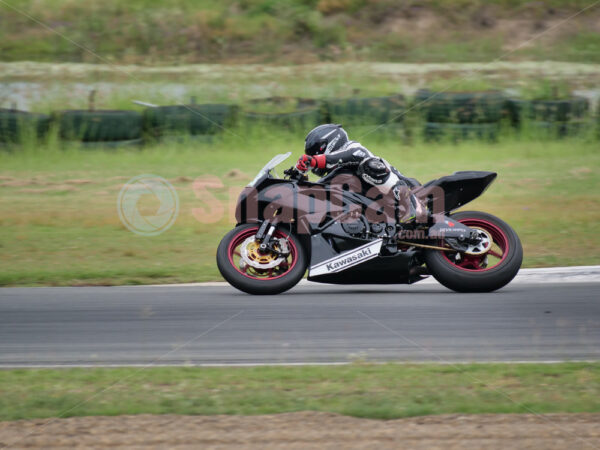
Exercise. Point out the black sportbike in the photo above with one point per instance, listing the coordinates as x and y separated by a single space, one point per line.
339 233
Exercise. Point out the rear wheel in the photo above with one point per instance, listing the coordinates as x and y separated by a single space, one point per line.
246 268
484 268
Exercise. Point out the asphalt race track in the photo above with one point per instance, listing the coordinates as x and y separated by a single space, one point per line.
164 325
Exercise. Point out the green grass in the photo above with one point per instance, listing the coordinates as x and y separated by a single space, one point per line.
150 32
363 390
60 224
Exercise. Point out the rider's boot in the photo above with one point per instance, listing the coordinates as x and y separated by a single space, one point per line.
410 212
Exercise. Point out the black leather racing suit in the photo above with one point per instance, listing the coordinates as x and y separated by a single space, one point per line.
407 206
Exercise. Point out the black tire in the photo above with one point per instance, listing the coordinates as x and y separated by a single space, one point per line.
478 280
256 286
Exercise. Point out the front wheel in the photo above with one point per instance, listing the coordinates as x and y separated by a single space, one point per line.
246 268
487 268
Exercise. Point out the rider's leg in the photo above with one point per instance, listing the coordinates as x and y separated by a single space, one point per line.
409 210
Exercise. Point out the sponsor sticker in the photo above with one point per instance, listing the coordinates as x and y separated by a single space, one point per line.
347 259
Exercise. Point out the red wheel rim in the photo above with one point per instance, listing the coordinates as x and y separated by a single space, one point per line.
283 268
487 261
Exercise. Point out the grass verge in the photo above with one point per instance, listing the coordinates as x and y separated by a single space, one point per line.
143 31
60 224
363 390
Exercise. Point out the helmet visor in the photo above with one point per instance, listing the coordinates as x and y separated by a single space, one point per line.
315 147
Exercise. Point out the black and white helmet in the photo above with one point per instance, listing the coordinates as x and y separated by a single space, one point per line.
325 139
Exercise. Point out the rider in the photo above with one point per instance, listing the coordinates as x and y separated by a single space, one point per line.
327 146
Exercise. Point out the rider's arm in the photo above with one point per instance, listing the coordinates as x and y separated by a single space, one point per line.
352 153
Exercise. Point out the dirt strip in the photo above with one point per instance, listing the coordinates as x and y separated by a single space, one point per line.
307 430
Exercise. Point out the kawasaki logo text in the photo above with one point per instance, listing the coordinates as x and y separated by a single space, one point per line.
348 260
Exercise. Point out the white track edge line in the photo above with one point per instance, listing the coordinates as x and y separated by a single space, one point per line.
568 274
290 364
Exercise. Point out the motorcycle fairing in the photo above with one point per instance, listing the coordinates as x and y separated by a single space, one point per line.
344 260
392 269
456 189
308 203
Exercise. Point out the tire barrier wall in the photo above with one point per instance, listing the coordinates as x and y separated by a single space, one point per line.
457 114
463 107
560 117
16 125
194 120
460 115
99 126
365 111
293 120
284 112
459 131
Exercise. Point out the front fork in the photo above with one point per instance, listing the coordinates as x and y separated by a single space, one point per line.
264 236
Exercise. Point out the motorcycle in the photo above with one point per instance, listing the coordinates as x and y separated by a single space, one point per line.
339 232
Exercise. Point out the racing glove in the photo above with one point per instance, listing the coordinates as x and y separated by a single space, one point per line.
306 162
